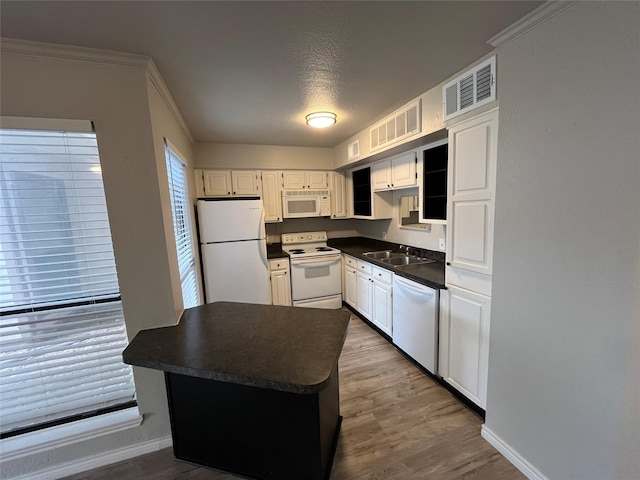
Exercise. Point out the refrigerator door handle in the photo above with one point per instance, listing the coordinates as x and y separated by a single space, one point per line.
263 254
263 233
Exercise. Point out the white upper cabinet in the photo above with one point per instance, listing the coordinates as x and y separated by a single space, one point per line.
397 172
338 195
224 183
271 196
217 182
471 187
245 182
305 179
404 170
364 202
381 176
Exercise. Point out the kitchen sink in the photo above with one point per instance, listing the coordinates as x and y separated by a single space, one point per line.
405 260
384 254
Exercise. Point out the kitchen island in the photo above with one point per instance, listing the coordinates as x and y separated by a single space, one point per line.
252 389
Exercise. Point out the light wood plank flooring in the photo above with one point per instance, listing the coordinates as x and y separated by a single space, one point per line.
398 424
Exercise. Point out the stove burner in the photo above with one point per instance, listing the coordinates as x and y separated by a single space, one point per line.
296 250
324 249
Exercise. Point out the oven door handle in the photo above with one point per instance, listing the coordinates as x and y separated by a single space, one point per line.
314 262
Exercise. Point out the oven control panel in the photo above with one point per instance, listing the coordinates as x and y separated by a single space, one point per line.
303 237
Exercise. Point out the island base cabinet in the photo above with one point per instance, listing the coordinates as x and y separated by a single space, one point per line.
254 432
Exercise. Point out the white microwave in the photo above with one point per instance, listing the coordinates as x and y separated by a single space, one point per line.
305 203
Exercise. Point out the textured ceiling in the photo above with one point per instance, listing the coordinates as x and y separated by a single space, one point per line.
248 72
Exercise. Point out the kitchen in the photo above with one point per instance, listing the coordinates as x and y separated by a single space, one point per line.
531 402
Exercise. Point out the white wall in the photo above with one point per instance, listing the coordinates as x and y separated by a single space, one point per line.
268 157
115 99
564 382
391 231
431 117
166 125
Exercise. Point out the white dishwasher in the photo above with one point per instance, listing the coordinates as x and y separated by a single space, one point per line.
415 321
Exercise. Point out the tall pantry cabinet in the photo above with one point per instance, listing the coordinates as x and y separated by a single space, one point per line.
466 304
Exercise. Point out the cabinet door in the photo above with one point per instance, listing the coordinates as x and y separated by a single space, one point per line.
381 176
294 179
280 288
363 289
350 286
245 182
403 171
465 342
338 203
217 182
471 187
382 311
271 196
317 180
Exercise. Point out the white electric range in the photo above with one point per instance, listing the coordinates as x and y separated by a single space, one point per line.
316 270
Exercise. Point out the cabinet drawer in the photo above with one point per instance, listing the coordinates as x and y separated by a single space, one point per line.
381 275
364 267
350 261
278 264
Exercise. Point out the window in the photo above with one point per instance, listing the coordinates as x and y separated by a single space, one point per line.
62 328
177 173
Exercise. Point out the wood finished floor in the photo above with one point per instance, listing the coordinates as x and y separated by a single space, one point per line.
398 424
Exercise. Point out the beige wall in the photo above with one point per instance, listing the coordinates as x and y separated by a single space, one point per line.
115 99
391 231
166 125
431 122
268 157
564 362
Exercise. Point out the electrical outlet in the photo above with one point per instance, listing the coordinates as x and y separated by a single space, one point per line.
441 244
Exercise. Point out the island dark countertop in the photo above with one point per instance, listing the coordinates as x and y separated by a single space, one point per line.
278 348
429 274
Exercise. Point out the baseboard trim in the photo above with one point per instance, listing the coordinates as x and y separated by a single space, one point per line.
510 454
99 460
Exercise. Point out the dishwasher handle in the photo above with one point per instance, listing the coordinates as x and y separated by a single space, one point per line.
417 290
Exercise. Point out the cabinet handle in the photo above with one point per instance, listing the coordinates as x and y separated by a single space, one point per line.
448 264
228 193
234 193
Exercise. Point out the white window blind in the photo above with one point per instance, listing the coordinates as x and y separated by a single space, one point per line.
62 329
177 173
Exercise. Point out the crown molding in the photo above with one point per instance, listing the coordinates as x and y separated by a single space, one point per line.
158 82
71 52
530 20
105 57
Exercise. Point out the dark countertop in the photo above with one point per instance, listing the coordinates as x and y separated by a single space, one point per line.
279 348
429 274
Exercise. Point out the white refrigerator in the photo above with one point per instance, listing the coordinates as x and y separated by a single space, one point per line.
234 250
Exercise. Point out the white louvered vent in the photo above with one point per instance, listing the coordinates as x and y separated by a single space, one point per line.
353 150
470 90
397 126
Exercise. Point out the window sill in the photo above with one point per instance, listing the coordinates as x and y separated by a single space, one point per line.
55 437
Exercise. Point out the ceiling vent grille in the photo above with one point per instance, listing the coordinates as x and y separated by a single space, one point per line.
353 150
470 90
399 125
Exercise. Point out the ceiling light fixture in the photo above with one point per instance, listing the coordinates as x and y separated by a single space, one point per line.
321 119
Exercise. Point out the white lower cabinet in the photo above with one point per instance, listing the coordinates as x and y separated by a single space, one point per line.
350 286
464 342
364 289
280 281
368 289
382 300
